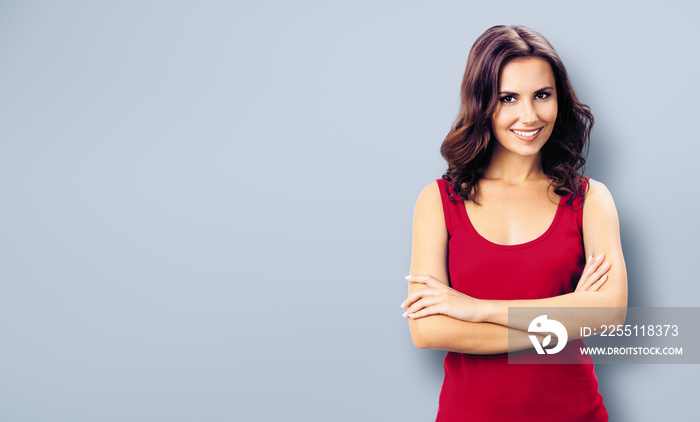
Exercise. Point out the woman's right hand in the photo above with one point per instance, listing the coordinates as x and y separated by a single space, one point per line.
594 274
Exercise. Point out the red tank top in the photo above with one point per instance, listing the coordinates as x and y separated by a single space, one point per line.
486 387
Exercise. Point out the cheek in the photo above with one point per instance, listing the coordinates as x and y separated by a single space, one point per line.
501 120
551 113
496 118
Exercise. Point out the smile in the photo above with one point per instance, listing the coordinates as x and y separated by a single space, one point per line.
527 135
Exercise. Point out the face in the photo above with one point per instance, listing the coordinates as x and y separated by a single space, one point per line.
527 106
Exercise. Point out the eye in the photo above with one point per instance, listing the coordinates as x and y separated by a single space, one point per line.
542 95
507 99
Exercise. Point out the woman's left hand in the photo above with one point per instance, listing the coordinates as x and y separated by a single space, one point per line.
438 298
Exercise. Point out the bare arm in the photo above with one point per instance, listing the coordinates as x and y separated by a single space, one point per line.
606 286
429 256
601 236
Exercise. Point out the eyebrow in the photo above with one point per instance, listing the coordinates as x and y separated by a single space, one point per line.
515 93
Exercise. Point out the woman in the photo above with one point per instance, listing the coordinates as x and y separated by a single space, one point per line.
508 226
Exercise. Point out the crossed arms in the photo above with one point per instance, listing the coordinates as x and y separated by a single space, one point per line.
443 318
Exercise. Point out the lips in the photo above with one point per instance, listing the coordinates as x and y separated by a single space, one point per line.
527 135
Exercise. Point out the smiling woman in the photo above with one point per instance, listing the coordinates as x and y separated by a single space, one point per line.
509 225
527 106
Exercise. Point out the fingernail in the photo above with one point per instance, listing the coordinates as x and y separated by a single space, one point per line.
589 259
403 304
411 316
404 314
599 257
407 277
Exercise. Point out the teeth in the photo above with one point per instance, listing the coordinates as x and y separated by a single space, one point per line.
526 134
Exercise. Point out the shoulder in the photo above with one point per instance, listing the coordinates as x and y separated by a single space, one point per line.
430 196
597 195
429 207
598 206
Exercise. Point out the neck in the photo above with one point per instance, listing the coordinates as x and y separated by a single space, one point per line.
512 168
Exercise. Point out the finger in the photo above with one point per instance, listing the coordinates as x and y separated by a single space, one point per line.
598 284
601 271
587 270
585 279
430 310
425 279
586 282
423 303
583 284
413 297
416 295
422 278
596 280
592 272
587 266
592 265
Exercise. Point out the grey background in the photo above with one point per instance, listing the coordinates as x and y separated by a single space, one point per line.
206 206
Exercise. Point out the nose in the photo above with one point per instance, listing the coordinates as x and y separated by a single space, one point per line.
528 114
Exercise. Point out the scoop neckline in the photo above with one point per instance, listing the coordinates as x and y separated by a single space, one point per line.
538 239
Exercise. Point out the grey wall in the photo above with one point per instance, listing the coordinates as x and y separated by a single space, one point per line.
206 206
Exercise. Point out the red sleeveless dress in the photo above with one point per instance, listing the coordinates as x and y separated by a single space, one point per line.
486 387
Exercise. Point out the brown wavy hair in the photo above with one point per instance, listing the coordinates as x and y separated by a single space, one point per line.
469 144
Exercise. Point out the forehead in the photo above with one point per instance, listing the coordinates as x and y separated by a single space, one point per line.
526 74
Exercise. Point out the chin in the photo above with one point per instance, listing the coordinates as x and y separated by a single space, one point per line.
528 152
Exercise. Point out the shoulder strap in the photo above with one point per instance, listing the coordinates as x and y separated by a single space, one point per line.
579 200
448 206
